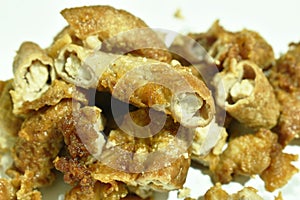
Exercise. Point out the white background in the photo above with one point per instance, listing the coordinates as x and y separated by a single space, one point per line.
277 21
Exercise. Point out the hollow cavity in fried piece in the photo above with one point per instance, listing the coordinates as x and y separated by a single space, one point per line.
119 30
39 142
9 123
223 45
247 95
280 169
33 74
139 81
57 91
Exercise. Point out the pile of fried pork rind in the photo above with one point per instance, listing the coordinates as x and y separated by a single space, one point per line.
58 116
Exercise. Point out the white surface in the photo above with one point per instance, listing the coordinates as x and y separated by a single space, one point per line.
276 21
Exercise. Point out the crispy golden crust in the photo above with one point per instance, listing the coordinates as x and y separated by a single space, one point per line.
217 193
241 157
249 97
58 91
280 169
112 26
39 142
34 72
223 45
9 123
285 78
7 191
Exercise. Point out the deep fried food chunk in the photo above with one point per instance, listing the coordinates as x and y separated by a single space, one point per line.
121 31
33 72
246 94
280 169
242 157
39 142
223 45
7 191
285 78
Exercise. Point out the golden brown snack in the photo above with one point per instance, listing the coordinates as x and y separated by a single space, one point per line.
280 169
9 123
241 157
119 30
144 169
57 91
285 78
33 74
223 46
217 193
39 142
140 81
247 95
7 191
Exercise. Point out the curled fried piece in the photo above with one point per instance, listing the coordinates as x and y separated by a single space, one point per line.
119 30
39 142
34 72
223 46
139 81
247 95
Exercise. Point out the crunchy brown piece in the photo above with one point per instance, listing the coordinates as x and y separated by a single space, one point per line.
242 158
217 193
9 123
7 191
57 91
34 72
39 142
27 191
223 45
100 191
140 81
119 30
247 95
280 169
285 74
285 78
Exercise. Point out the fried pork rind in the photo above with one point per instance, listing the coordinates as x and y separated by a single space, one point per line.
39 142
280 169
247 95
139 81
223 46
119 30
241 158
143 169
217 193
7 191
33 74
9 123
285 78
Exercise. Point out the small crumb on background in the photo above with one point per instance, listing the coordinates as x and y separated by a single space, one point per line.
183 193
178 14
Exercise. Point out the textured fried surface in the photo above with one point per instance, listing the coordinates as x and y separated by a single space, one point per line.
217 193
120 31
39 141
9 123
223 45
285 78
280 169
7 191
